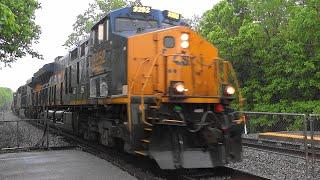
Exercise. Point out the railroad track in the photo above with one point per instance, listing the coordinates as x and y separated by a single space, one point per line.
222 173
286 147
147 168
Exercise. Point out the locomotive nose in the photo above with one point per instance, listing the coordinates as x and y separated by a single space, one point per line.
175 61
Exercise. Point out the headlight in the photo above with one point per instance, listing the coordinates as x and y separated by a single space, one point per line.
184 37
229 90
184 40
184 44
179 87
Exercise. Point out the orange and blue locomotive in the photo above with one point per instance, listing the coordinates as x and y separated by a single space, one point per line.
145 83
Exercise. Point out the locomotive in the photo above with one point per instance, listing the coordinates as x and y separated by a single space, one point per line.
147 84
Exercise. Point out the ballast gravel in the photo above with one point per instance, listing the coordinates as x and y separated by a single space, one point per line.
272 165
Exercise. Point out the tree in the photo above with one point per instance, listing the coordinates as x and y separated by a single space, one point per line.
86 20
193 22
274 46
17 30
5 98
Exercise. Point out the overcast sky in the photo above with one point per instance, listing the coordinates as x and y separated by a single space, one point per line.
56 18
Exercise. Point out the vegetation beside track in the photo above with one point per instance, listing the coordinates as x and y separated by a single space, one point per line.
5 98
274 47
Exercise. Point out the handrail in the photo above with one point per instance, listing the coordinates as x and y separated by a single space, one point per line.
234 76
130 91
143 113
229 69
136 73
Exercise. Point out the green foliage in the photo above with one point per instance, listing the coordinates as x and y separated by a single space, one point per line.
274 47
193 22
85 21
5 98
17 29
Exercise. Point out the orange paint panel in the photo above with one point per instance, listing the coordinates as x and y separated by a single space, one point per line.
196 66
191 100
120 100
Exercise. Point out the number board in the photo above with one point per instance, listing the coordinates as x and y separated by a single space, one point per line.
172 15
141 9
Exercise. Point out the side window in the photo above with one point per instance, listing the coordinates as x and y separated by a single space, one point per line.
100 33
83 49
106 32
93 91
69 80
95 36
104 89
54 94
61 90
49 94
78 72
66 80
95 87
74 54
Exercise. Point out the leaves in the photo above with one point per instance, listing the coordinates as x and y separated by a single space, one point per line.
17 30
274 47
5 98
84 22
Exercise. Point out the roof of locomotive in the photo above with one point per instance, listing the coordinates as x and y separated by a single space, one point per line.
126 12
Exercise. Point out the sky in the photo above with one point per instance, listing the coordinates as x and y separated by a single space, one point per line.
56 18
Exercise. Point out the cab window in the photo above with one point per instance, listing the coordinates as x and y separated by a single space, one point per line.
101 33
126 24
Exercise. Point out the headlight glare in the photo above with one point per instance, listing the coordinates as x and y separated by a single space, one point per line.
184 37
184 44
179 87
229 90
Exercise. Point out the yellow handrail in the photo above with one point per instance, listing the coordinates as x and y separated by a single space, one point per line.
228 68
130 91
143 113
136 73
234 76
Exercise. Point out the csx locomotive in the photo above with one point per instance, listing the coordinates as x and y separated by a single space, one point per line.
145 83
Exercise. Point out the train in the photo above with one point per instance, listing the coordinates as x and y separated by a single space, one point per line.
147 84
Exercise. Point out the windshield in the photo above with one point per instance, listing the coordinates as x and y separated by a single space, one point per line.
125 24
167 25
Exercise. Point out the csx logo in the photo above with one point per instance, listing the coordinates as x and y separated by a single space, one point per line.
183 61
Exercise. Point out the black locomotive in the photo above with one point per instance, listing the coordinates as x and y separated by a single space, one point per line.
145 83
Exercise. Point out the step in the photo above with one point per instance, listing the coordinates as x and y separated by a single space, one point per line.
153 118
154 107
172 121
141 153
147 129
145 140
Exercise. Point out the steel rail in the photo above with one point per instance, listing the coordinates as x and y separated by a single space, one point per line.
278 146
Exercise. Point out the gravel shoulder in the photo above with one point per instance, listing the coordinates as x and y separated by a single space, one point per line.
274 165
262 163
20 133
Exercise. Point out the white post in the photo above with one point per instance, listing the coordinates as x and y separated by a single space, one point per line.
245 125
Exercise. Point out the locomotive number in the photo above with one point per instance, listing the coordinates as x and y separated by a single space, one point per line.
141 9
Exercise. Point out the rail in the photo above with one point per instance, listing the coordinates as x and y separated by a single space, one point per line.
292 133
